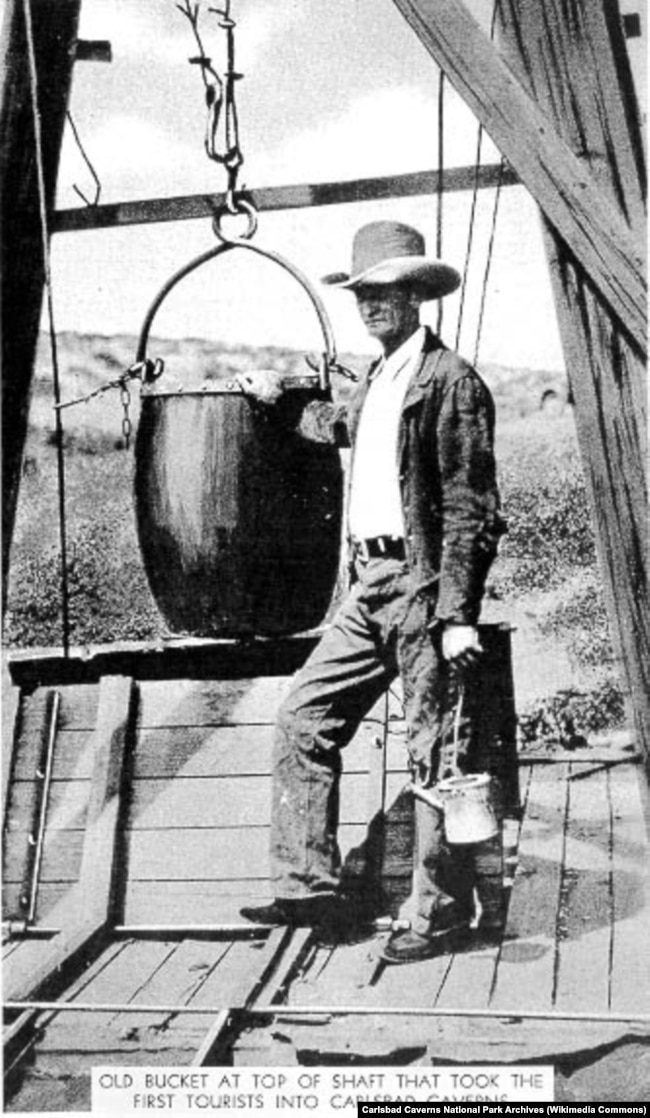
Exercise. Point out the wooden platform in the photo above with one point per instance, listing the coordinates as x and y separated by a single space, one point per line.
156 831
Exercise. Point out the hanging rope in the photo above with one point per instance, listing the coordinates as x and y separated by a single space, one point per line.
47 276
86 159
488 263
441 166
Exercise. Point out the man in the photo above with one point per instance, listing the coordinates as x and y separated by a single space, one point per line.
424 523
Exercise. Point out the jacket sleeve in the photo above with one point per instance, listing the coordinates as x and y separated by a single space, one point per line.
470 505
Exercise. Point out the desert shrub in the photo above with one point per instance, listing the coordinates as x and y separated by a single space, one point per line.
579 619
566 718
108 595
549 531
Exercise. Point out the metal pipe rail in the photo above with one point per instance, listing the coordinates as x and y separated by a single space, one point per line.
331 1011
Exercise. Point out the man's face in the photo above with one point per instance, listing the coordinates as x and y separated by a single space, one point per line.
390 312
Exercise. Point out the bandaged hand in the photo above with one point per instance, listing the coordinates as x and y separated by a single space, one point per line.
264 385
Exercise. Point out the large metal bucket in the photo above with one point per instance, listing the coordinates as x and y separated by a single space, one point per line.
238 515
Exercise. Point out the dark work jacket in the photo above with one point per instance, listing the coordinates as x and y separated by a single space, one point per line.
447 476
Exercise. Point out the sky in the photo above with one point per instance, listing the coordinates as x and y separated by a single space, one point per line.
331 91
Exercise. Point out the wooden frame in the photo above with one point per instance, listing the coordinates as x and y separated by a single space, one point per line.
591 226
301 196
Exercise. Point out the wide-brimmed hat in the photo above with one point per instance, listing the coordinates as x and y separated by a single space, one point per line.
390 252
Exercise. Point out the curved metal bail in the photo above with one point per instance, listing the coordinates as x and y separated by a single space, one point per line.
329 354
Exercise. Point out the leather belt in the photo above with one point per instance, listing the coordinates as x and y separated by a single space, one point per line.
380 547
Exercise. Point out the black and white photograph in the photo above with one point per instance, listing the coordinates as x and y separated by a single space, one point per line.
326 604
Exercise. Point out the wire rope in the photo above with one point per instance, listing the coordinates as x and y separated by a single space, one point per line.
472 216
441 167
47 276
488 262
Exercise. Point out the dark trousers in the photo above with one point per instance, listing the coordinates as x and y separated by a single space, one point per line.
380 631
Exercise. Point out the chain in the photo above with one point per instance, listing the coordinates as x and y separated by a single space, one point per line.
222 126
127 426
145 371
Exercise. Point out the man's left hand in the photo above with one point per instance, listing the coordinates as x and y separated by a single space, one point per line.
461 645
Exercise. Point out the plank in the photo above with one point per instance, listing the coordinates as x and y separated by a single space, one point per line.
630 974
188 702
469 980
592 228
205 902
417 985
78 710
582 79
209 854
339 975
207 751
585 919
67 805
225 801
526 968
176 982
99 856
125 974
49 896
73 757
280 198
61 863
11 712
180 658
235 982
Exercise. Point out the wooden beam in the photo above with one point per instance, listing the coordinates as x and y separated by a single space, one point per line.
92 907
93 50
99 859
189 658
21 246
590 225
10 730
580 77
190 207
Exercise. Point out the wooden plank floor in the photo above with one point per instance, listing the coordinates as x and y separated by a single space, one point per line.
578 923
129 973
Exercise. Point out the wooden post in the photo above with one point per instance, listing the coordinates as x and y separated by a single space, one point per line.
592 227
574 58
21 244
580 77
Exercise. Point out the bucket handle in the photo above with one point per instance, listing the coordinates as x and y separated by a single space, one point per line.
328 357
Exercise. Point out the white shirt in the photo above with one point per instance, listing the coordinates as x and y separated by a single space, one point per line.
375 501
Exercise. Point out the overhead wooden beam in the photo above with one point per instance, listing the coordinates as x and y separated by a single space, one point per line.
589 224
93 50
580 76
190 207
21 246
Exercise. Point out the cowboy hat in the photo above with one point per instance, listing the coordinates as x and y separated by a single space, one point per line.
390 252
